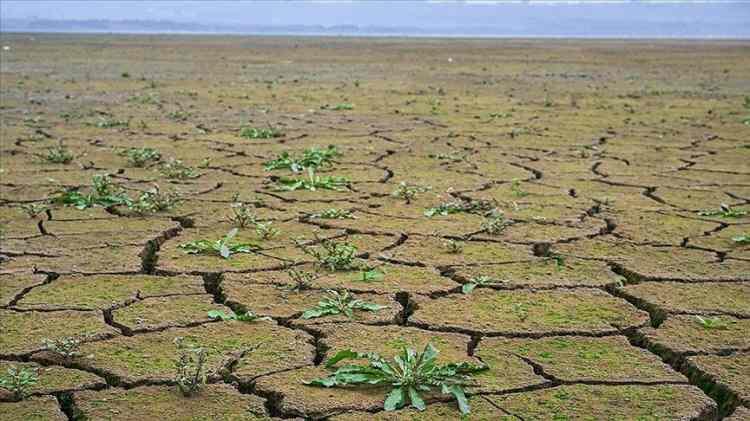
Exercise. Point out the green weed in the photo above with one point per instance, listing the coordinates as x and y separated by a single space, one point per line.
313 182
742 239
20 381
260 133
369 275
153 201
68 347
724 211
34 209
302 280
243 317
145 98
190 367
459 206
344 106
223 247
521 311
265 230
102 193
109 123
333 255
407 192
516 189
176 169
178 115
452 157
58 155
712 323
453 246
311 158
410 374
339 303
140 157
242 214
476 281
334 213
495 222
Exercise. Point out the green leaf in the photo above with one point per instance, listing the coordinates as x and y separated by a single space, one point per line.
315 313
346 354
329 381
468 287
224 251
416 400
395 400
217 314
429 354
463 403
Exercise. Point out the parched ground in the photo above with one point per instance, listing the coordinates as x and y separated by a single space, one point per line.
614 285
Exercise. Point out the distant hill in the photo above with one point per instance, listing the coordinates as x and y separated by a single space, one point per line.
532 27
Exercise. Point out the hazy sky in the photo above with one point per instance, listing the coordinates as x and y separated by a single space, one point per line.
424 13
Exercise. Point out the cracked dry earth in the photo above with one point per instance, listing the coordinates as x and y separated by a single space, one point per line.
610 293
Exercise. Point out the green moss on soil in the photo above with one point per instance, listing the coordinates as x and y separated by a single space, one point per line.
530 313
217 402
585 402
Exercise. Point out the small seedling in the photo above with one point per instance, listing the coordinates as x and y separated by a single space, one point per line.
724 211
153 201
190 367
333 255
311 158
453 157
313 182
102 193
712 323
558 259
58 155
247 316
260 133
34 209
445 209
370 275
453 246
242 215
521 311
265 230
20 381
516 189
742 239
108 123
222 247
500 115
410 374
340 303
178 115
68 347
140 157
344 106
175 169
335 213
476 281
145 98
302 280
495 222
408 192
459 206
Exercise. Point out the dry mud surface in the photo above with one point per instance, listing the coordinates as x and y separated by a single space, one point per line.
614 286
